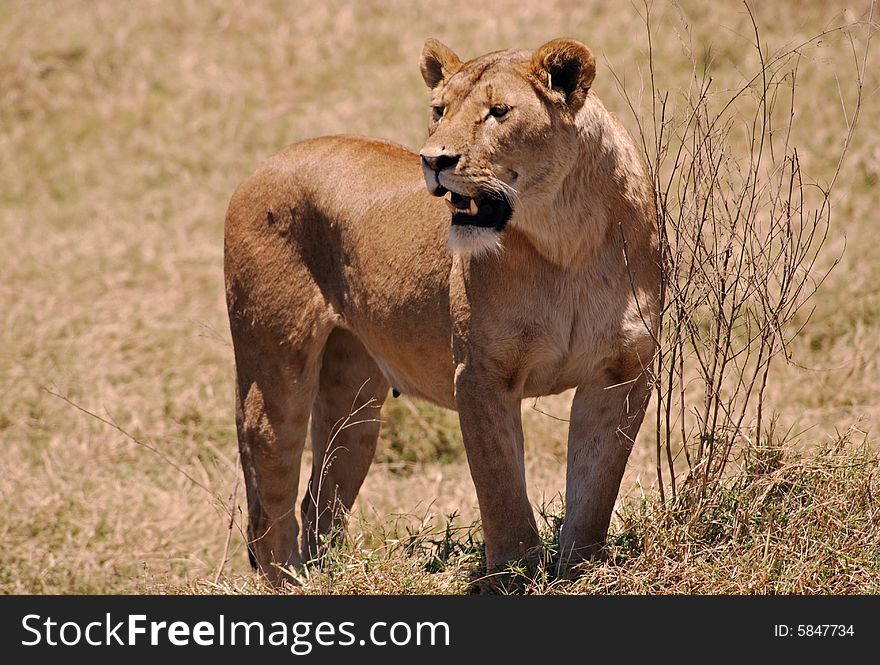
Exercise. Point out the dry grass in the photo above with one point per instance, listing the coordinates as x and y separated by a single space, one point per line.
784 524
125 129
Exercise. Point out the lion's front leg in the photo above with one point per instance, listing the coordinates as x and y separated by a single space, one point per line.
605 418
491 427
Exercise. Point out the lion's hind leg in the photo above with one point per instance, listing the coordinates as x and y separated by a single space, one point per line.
344 432
276 386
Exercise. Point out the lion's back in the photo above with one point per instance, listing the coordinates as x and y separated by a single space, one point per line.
330 217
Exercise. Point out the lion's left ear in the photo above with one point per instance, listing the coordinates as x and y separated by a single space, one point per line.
567 66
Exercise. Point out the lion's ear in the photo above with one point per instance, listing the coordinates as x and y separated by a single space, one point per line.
438 63
567 66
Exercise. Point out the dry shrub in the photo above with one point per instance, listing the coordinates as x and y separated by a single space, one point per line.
742 229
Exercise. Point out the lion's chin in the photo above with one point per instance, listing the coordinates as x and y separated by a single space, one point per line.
473 241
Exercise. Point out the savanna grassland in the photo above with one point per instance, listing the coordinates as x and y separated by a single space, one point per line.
124 129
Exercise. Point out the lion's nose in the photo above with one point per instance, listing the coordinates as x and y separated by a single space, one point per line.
439 161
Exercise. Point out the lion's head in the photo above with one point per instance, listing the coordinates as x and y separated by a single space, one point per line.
502 133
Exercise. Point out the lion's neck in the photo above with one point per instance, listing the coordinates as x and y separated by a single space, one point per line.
604 188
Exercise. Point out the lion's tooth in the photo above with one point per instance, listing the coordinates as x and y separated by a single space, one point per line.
449 205
473 207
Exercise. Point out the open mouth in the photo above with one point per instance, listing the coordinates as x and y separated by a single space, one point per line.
488 211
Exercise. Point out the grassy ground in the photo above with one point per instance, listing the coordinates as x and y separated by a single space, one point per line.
124 130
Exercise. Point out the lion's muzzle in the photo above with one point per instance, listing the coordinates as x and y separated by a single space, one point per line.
432 164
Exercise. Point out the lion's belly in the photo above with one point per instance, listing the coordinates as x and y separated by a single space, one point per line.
398 306
414 352
423 367
432 382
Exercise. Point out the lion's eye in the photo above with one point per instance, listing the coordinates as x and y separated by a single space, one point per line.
438 111
499 111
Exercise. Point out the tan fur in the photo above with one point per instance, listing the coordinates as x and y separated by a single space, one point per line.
339 283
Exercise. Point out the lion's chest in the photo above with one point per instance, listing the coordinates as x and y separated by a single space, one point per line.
567 350
555 344
537 328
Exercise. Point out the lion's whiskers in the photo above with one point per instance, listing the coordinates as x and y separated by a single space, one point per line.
502 189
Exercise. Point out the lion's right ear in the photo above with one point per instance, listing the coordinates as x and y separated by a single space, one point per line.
438 63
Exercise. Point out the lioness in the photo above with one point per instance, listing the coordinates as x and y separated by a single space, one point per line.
528 266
